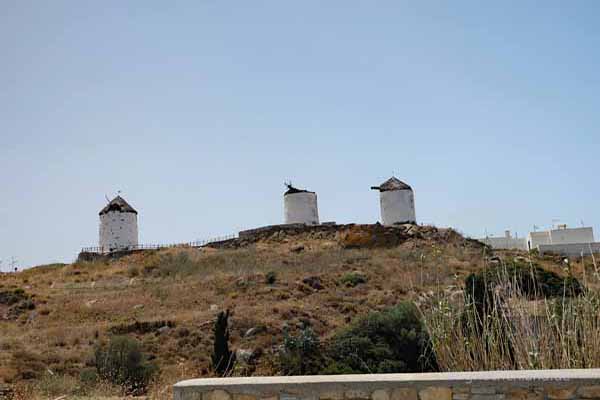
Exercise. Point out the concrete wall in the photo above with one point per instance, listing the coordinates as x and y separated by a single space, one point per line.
504 385
397 206
570 250
560 236
301 208
506 242
534 239
118 230
572 235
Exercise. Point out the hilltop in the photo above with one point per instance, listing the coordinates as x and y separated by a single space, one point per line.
273 280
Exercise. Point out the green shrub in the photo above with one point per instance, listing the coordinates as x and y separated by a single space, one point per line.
223 359
300 354
353 279
88 376
10 297
270 277
530 281
123 363
393 340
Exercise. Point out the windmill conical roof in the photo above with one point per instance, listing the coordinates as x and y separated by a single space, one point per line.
118 204
392 184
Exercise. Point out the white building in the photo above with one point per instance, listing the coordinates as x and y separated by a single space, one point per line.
300 206
560 236
118 226
397 202
506 242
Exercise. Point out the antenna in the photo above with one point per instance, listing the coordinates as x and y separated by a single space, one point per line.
288 183
107 199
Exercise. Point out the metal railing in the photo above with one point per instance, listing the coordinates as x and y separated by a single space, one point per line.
198 243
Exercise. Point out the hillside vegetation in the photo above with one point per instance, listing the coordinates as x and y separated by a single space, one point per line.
315 286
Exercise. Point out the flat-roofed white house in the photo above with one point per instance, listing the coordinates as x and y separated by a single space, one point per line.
561 235
506 242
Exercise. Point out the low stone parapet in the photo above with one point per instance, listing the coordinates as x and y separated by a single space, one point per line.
501 385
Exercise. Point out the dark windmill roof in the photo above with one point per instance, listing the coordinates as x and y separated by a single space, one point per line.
392 184
118 204
292 190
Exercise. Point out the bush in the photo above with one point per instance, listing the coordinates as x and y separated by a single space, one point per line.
301 354
393 340
123 363
530 281
270 277
353 279
10 298
88 376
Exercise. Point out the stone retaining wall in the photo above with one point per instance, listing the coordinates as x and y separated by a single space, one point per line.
502 385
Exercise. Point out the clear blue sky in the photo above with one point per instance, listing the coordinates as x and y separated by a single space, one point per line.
198 111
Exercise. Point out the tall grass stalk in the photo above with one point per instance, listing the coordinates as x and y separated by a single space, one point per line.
516 330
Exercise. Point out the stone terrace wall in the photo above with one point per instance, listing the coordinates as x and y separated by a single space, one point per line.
503 385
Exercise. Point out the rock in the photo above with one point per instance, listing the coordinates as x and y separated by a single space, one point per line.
255 331
589 392
333 395
90 303
523 394
560 393
297 248
380 394
243 396
314 282
138 306
436 393
214 307
404 394
32 316
163 329
244 355
357 394
216 395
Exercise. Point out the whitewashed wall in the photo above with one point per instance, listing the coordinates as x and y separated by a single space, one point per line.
397 206
508 243
560 236
572 235
301 208
118 230
534 239
571 250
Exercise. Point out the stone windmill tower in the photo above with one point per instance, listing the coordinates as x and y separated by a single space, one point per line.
397 202
118 226
300 206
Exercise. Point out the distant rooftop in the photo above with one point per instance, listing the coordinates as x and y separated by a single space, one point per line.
118 204
392 184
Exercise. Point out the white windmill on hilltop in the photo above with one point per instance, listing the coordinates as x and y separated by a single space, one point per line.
118 226
300 206
397 202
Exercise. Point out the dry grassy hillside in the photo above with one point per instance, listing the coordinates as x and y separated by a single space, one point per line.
168 299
